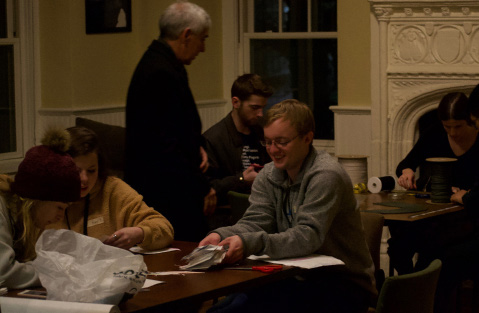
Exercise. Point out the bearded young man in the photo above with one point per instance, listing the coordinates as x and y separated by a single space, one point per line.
233 144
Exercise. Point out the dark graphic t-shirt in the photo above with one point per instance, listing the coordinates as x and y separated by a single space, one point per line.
250 154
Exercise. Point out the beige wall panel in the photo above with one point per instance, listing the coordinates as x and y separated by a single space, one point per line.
354 74
80 70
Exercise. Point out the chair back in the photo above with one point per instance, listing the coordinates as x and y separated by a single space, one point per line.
112 143
412 293
239 203
373 224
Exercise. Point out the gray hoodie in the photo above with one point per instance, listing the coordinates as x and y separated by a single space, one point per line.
13 274
324 217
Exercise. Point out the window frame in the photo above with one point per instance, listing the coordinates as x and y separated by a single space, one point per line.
243 16
22 21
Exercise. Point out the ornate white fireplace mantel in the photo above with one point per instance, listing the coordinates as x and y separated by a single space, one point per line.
420 50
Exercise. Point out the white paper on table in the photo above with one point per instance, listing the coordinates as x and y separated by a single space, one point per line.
172 273
310 261
22 305
139 250
151 282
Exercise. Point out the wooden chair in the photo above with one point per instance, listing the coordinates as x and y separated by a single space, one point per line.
373 224
112 143
412 293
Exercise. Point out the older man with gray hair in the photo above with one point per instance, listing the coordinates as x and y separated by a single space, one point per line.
165 159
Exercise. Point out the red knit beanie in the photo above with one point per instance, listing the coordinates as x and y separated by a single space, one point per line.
47 172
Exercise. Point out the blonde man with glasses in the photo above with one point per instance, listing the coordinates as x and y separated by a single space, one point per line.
301 203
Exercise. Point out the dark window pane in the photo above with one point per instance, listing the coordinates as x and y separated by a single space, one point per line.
303 69
295 15
3 19
266 16
7 101
324 16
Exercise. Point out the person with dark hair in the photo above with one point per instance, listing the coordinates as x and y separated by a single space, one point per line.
456 139
109 209
46 181
165 156
301 203
459 261
233 144
465 195
473 105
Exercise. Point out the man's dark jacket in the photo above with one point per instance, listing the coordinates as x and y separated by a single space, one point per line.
163 139
224 145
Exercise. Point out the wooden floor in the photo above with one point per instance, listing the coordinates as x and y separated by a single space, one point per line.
465 301
465 295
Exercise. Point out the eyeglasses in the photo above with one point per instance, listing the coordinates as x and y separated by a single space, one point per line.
280 144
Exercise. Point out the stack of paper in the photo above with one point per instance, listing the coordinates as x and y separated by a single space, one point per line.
203 257
19 305
309 261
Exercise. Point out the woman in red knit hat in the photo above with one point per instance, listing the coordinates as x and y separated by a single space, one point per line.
46 181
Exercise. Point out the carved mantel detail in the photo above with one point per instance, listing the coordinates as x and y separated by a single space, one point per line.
422 9
434 43
421 50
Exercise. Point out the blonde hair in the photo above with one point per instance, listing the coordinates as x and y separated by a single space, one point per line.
294 111
25 233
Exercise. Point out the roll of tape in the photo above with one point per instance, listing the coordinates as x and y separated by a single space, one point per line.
441 177
378 184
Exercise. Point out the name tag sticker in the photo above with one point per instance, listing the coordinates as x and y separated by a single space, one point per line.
95 221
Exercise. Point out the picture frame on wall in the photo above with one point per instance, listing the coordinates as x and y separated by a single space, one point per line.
107 16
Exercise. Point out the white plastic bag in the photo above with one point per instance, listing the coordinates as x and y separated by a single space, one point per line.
73 267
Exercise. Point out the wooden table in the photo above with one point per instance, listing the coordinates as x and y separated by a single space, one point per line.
366 203
182 293
188 292
437 218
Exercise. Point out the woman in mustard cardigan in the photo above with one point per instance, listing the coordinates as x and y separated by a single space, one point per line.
109 209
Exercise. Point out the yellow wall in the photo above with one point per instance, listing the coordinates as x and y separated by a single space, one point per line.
80 70
354 75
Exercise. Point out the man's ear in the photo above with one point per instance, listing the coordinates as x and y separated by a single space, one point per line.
309 137
186 34
236 102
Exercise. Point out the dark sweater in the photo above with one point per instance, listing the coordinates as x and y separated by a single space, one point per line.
163 139
434 143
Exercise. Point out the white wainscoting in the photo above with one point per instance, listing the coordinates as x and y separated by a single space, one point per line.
352 124
352 131
352 134
211 111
